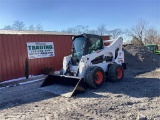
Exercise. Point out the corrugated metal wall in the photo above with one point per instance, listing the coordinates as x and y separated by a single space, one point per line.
13 51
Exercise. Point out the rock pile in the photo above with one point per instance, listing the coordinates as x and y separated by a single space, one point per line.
138 57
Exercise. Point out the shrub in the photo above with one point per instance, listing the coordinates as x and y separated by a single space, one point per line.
47 70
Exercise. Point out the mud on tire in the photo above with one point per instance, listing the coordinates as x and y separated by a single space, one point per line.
95 76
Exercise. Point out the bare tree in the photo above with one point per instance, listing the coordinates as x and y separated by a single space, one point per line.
158 43
115 33
135 41
7 27
31 28
151 36
69 30
85 29
93 31
138 31
39 27
18 25
79 29
101 29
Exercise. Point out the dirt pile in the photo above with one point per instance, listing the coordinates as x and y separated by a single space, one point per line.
138 57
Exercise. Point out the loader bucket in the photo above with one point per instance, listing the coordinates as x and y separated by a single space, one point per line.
67 86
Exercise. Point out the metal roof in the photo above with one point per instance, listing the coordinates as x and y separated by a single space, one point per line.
26 32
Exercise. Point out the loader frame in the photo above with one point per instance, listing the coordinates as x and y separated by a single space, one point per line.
91 60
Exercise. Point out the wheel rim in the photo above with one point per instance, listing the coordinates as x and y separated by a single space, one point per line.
119 73
99 77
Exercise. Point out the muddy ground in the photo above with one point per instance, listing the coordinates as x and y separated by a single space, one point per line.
136 97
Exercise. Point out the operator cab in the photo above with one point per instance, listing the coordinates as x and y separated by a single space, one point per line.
85 44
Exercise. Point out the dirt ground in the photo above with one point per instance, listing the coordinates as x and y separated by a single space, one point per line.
137 96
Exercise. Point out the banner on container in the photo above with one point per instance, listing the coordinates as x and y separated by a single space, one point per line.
40 49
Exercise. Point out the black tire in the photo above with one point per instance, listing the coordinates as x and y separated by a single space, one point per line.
95 76
115 73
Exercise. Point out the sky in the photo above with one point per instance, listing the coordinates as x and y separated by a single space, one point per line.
62 14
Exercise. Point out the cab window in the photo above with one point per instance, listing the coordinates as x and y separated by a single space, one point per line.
95 44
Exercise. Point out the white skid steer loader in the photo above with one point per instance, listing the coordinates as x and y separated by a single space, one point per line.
90 63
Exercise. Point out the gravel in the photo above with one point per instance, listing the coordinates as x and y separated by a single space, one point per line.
138 57
137 96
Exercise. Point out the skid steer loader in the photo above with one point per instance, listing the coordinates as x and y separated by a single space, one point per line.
90 63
